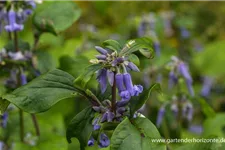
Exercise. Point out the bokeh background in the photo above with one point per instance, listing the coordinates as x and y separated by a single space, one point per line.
192 31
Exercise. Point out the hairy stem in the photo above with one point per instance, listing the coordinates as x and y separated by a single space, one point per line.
21 125
114 94
36 126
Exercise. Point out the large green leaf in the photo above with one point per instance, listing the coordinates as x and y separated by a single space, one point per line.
83 79
81 127
137 102
136 135
43 92
46 21
144 45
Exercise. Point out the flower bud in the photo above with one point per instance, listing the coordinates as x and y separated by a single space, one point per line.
110 116
23 79
101 50
91 142
101 57
133 67
104 117
122 103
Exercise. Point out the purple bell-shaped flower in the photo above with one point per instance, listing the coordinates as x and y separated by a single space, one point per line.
13 26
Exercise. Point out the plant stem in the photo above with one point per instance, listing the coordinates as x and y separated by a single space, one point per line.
114 94
21 125
36 126
16 41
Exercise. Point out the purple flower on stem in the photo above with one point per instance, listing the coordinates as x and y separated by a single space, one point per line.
110 116
95 124
104 117
128 83
206 88
91 142
23 79
138 89
13 26
122 103
133 67
101 57
160 116
102 79
31 3
101 50
110 76
120 110
172 79
183 70
119 82
104 140
125 95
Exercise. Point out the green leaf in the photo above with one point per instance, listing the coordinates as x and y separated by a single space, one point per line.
206 108
81 127
137 102
43 92
3 105
133 58
136 135
83 79
46 21
113 45
215 125
44 61
144 45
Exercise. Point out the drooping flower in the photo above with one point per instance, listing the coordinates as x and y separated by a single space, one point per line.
183 70
137 89
122 103
184 33
172 79
104 117
160 116
207 85
198 129
119 82
110 116
95 124
120 110
125 95
16 55
104 140
157 48
110 75
91 141
128 83
13 26
102 79
23 79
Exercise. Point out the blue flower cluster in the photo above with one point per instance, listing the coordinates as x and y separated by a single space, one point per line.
13 18
113 74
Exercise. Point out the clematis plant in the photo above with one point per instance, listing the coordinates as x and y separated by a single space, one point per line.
112 119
